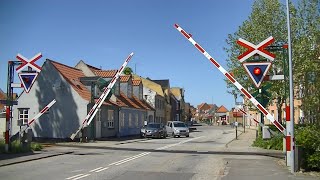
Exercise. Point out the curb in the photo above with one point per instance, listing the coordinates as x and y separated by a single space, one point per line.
36 158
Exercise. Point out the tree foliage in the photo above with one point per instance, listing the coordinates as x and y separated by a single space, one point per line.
268 18
306 52
127 71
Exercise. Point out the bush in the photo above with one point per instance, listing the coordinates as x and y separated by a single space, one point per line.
16 147
36 146
275 142
308 139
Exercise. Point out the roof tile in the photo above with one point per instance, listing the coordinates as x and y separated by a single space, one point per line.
72 75
105 73
136 82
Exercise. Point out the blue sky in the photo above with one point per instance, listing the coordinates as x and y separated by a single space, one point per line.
104 33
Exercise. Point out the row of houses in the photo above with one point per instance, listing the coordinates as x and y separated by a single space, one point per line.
134 101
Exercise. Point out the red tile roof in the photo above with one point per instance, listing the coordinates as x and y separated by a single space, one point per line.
237 114
136 82
72 75
222 109
124 99
140 103
105 73
124 78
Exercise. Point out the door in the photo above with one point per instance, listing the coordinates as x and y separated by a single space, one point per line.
169 128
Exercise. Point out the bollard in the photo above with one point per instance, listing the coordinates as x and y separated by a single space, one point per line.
236 132
299 158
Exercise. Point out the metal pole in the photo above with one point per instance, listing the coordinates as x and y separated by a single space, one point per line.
291 128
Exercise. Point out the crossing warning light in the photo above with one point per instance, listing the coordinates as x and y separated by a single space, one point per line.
257 71
27 80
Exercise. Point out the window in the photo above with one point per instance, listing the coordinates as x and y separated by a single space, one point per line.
110 119
122 119
99 115
130 120
129 90
24 115
137 120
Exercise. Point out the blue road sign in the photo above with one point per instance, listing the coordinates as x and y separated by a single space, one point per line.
257 71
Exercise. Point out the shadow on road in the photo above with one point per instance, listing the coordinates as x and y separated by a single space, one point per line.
268 154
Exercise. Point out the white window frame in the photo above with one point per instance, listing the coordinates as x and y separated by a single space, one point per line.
23 115
110 118
137 120
130 120
122 119
99 115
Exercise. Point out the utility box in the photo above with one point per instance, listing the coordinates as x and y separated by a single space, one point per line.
26 138
266 133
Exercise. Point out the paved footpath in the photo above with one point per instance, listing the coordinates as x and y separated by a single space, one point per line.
269 166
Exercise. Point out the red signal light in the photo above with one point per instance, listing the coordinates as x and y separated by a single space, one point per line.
257 71
26 79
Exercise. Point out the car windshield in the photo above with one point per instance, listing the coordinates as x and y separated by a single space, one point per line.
153 126
179 124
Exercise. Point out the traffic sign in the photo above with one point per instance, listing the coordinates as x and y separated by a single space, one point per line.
256 49
257 71
28 62
27 80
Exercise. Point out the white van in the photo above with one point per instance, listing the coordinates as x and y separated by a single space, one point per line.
177 128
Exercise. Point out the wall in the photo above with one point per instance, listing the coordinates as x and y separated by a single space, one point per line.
64 117
134 129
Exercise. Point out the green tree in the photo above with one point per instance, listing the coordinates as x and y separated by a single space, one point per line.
306 51
268 18
127 71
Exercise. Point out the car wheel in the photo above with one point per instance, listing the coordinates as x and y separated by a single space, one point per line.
164 135
187 135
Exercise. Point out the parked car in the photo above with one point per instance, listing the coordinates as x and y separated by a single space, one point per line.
177 128
156 130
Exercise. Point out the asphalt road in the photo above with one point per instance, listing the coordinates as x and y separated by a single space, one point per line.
171 158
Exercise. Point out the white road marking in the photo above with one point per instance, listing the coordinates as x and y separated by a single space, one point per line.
132 158
99 169
74 176
182 142
102 169
141 154
81 176
95 169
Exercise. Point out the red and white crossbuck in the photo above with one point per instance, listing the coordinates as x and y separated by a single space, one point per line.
29 62
256 49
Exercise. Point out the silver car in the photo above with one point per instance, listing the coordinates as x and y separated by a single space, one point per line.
177 128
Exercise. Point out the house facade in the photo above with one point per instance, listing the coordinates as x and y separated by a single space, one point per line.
75 93
154 95
179 95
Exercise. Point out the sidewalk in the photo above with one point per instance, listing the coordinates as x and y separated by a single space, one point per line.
272 166
244 144
9 159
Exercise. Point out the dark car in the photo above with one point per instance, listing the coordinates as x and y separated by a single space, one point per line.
157 130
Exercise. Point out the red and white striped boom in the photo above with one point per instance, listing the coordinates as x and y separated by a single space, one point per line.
39 114
101 99
230 78
249 116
